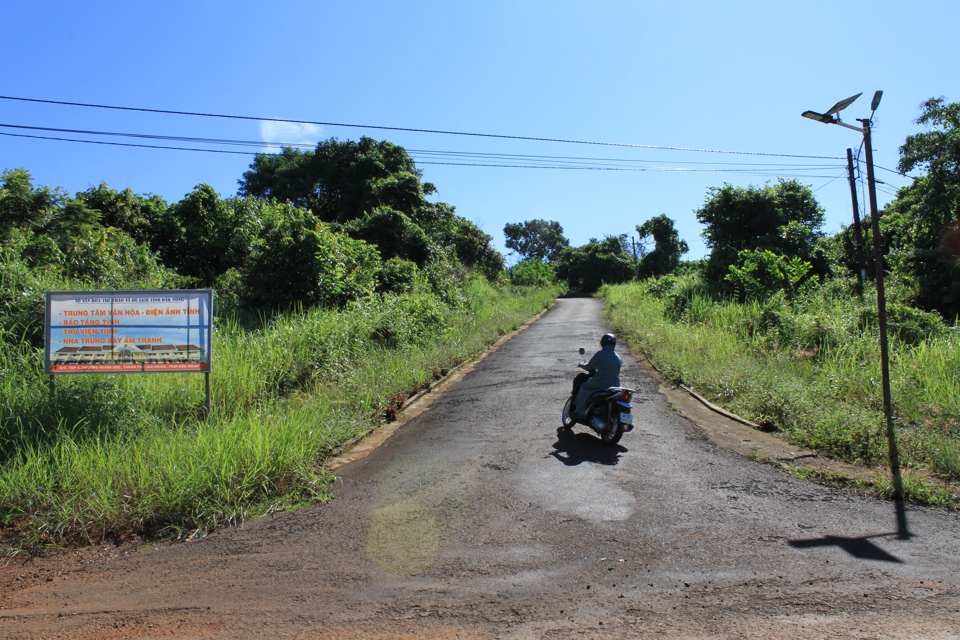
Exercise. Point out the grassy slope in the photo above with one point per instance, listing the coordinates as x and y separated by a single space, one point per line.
810 370
115 455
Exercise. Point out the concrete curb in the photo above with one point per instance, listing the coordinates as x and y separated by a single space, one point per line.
719 410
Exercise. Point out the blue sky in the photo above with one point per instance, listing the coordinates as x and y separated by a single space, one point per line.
725 76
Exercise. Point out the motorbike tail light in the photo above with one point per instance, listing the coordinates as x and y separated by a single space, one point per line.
626 396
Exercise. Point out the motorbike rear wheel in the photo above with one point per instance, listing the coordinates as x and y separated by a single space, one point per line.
612 435
566 418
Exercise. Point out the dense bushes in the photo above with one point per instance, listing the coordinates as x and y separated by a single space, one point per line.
807 364
353 220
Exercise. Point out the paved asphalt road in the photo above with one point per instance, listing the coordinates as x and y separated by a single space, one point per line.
478 519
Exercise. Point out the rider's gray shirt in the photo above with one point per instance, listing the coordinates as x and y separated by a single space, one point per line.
607 364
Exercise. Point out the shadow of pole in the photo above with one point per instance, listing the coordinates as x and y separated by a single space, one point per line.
903 533
861 548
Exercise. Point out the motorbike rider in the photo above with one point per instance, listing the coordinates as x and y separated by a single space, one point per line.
605 366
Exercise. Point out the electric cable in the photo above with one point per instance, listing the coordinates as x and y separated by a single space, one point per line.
455 164
419 152
405 129
828 182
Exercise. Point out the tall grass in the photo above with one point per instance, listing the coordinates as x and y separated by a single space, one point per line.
809 366
117 455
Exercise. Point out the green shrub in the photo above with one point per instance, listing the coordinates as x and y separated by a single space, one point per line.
399 276
532 271
809 364
300 260
757 275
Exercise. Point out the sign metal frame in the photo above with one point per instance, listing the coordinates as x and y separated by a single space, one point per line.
129 331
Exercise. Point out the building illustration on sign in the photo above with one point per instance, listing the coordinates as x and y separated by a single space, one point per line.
128 331
128 353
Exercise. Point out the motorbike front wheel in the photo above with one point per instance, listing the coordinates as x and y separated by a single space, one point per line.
567 418
613 434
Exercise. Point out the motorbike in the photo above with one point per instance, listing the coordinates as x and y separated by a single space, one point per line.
608 410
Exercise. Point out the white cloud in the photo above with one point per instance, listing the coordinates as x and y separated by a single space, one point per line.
289 132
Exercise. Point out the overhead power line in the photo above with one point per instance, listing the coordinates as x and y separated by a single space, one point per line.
759 172
417 152
407 129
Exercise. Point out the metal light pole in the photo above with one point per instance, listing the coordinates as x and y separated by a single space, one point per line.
894 452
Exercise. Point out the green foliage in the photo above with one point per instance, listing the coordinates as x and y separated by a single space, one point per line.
338 181
138 216
532 271
51 241
374 190
408 319
915 489
399 276
472 247
759 274
783 218
668 247
121 454
23 207
921 228
536 239
299 260
907 324
585 269
446 276
205 236
402 191
808 364
393 233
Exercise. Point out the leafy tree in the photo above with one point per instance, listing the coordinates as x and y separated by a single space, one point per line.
537 239
531 271
299 259
399 276
338 181
757 275
668 247
920 227
472 246
373 189
585 269
136 215
204 236
393 233
22 206
783 218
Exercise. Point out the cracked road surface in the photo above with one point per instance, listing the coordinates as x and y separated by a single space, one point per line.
477 518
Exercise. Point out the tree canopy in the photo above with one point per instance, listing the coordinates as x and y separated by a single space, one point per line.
599 262
536 239
783 218
921 228
667 249
374 192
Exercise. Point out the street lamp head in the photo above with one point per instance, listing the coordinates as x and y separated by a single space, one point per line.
819 117
876 100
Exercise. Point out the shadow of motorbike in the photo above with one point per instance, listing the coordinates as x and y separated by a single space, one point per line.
576 448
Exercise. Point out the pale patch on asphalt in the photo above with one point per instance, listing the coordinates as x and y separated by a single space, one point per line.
403 539
542 362
587 491
420 502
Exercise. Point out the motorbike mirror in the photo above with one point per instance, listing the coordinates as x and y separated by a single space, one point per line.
582 351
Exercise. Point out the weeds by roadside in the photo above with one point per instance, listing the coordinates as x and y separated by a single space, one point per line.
808 367
123 455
